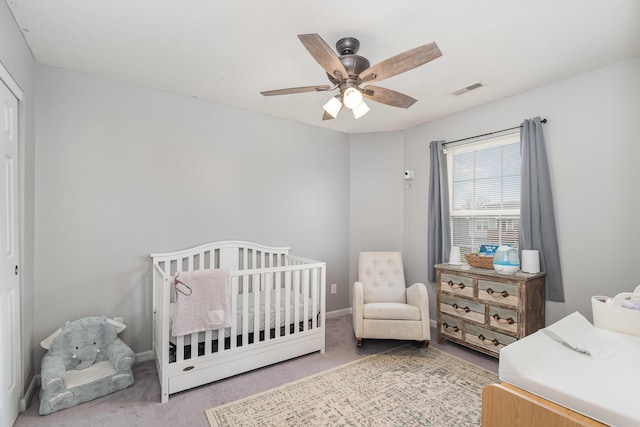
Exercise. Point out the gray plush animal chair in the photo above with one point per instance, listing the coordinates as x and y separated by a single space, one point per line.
86 360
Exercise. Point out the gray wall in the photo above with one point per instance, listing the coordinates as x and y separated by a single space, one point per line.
376 215
592 144
16 57
123 172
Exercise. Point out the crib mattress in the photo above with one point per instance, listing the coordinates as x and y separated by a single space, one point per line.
603 385
261 316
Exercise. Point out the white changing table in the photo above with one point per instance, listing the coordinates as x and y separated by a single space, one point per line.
604 385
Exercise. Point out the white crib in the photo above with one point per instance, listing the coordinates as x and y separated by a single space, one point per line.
279 305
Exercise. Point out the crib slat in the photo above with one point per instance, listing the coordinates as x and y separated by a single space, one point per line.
287 301
254 263
245 311
263 261
219 343
234 309
194 345
245 261
278 292
180 348
208 337
305 293
296 302
267 306
257 285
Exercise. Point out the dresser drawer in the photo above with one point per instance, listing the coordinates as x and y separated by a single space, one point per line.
450 326
461 307
489 340
458 285
506 319
504 293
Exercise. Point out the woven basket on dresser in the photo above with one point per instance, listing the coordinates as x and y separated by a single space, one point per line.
479 261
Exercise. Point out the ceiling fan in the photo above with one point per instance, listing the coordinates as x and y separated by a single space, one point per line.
348 72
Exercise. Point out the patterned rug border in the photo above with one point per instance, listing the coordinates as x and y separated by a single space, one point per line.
211 417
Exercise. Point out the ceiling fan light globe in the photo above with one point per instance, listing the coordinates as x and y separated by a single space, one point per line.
333 107
352 98
360 110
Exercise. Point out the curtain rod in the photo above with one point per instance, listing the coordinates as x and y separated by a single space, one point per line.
487 134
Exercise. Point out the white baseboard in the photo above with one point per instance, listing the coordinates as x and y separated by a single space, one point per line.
338 313
145 355
28 394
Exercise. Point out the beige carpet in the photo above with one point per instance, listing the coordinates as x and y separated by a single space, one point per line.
406 386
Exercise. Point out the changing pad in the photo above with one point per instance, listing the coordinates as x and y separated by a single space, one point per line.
604 385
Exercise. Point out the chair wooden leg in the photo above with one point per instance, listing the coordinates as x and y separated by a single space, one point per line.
359 342
425 344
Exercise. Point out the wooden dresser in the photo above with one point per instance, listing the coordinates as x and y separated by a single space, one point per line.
486 311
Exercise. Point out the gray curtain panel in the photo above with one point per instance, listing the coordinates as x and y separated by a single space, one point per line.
537 220
439 229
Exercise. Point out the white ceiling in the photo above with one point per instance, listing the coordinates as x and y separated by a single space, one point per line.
228 51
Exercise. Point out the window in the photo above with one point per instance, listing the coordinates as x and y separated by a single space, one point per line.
484 192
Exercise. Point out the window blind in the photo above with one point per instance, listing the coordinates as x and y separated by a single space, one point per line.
484 189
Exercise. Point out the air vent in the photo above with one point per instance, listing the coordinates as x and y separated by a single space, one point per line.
469 88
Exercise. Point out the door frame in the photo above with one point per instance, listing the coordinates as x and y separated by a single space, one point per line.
10 83
14 88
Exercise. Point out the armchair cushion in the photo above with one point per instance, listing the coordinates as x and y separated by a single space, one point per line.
382 276
98 371
391 311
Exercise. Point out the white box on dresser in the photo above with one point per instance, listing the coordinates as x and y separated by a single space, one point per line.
484 310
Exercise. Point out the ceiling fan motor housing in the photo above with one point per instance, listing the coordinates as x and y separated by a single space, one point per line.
348 46
354 64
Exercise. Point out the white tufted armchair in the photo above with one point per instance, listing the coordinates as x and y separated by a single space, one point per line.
383 307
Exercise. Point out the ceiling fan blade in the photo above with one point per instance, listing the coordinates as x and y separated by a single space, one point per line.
400 63
324 55
301 89
388 96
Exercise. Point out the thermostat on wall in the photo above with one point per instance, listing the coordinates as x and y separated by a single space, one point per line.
408 174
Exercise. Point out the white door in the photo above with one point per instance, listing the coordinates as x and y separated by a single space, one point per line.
9 254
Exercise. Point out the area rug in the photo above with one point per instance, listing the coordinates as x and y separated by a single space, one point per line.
405 386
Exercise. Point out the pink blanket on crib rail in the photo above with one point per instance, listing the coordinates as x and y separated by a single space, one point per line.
203 301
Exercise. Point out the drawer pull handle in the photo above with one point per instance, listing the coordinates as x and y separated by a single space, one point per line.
459 309
497 295
456 285
500 320
494 342
447 326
